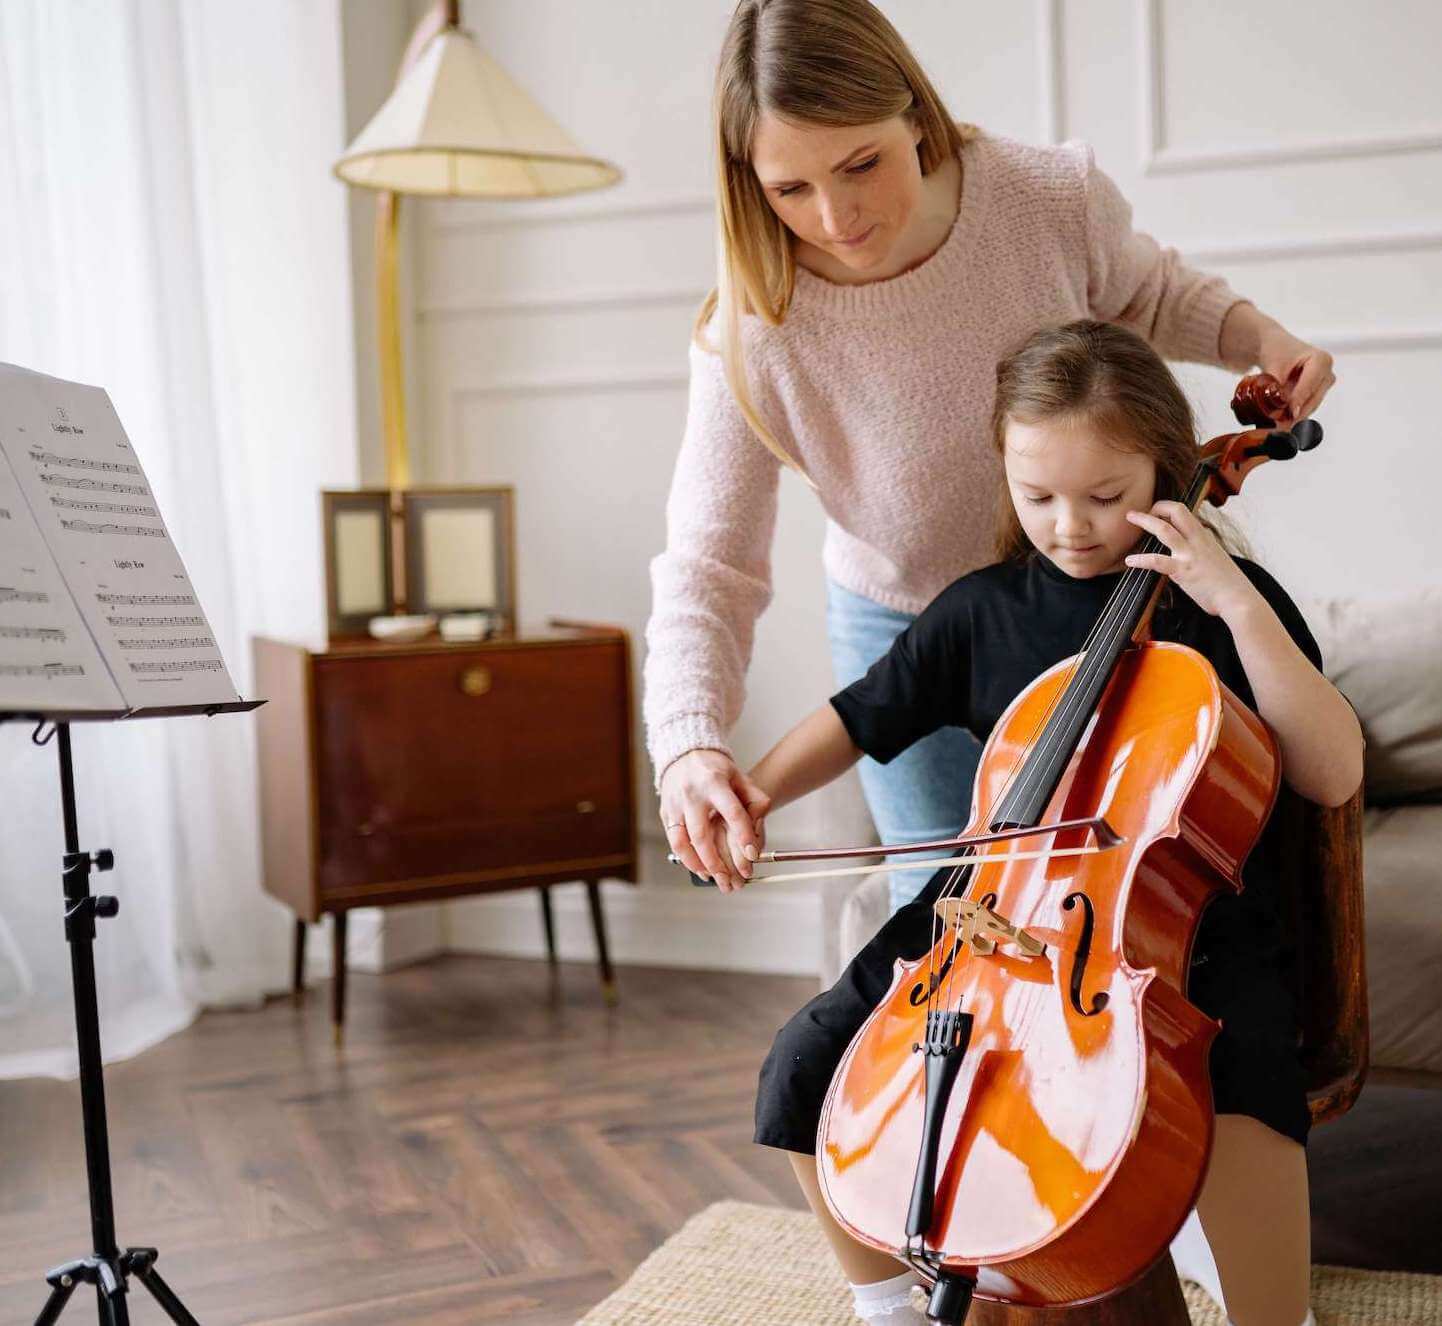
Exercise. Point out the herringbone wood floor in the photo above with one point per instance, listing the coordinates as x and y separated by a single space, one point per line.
492 1144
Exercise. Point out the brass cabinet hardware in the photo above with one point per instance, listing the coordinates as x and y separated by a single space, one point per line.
585 807
476 681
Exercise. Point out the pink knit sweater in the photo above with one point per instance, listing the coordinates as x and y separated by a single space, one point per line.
883 393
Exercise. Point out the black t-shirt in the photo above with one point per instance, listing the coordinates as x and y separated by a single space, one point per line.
987 636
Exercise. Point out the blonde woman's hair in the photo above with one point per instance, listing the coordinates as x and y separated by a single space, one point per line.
835 63
1104 375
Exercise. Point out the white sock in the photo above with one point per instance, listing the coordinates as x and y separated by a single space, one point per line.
1192 1256
889 1301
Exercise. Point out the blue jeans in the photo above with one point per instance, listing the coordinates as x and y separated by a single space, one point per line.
925 792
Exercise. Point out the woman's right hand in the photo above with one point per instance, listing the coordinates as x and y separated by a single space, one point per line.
712 814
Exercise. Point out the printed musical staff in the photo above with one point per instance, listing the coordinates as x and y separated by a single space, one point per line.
89 527
170 623
184 642
8 595
47 671
117 507
146 600
180 665
95 485
83 463
49 633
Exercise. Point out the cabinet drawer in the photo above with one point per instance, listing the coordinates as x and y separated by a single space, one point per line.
470 760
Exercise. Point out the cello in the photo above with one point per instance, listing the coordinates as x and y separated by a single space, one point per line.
1038 1079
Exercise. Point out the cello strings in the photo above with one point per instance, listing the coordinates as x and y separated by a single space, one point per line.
1123 601
960 874
1060 696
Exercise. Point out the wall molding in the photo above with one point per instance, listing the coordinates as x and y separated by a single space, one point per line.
1360 244
653 924
591 301
444 455
1159 159
528 214
1370 340
1052 74
574 384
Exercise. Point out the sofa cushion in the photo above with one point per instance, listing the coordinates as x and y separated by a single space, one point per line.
1403 868
1385 656
864 912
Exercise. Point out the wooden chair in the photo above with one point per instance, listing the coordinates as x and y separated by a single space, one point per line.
1322 905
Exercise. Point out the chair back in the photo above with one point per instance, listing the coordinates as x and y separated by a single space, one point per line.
1322 909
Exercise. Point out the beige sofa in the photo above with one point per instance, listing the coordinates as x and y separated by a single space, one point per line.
1386 657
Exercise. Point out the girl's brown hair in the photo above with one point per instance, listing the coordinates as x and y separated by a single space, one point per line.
1112 379
835 63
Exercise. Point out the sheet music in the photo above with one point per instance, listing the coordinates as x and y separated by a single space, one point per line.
47 659
92 506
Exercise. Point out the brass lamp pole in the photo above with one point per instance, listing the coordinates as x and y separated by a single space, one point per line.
455 126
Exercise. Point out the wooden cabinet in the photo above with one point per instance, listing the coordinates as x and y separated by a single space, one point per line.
408 773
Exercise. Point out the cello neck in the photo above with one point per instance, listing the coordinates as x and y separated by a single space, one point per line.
1123 620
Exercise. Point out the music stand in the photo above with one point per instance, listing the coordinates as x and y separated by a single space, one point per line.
107 1268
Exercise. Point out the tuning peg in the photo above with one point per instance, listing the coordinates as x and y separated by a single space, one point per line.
1306 433
1279 445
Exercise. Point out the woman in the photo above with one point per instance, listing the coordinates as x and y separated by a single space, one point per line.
876 259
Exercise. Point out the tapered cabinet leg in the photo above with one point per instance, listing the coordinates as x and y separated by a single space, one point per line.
549 918
598 924
297 972
337 1015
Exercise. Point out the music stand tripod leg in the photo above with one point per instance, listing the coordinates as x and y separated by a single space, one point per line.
106 1268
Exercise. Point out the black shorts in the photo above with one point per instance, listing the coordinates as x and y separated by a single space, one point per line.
1254 1065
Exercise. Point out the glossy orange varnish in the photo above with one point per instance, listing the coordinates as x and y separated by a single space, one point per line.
1061 1123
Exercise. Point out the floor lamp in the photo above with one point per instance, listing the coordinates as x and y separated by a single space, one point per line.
455 126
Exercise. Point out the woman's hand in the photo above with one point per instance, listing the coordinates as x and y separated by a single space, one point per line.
1303 369
1194 560
1250 336
712 814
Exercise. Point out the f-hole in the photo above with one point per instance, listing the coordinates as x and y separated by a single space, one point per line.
1079 959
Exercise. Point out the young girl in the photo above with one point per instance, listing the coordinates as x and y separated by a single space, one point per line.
1097 441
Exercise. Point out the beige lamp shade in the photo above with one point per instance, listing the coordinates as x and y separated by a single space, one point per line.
457 125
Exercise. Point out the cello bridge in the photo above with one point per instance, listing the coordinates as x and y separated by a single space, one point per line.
981 929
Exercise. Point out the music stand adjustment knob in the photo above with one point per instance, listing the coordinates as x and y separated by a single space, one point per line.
107 906
104 859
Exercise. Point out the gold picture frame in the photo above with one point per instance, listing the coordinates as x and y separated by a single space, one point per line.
359 564
460 551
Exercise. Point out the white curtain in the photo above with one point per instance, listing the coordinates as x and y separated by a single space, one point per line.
170 230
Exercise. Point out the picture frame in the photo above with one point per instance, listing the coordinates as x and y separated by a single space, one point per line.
460 551
359 577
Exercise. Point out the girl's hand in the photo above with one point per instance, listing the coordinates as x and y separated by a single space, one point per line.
712 815
1194 559
1303 369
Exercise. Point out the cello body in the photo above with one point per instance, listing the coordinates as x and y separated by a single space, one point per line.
1082 1104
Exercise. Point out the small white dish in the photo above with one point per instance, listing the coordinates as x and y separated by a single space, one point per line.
467 626
401 629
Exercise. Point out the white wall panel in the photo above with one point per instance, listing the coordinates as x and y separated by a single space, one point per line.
1302 77
551 337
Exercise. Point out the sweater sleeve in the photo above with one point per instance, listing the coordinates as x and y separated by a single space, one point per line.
714 578
1134 281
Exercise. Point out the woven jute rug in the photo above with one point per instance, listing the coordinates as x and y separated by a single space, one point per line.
741 1265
